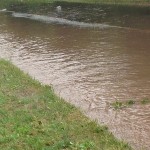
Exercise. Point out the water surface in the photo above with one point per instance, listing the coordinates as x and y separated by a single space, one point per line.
89 67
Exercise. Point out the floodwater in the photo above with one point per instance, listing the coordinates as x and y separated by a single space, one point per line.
89 66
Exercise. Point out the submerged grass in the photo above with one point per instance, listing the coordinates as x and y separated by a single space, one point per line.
145 101
119 105
33 117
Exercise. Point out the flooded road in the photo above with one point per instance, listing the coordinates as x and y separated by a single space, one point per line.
89 67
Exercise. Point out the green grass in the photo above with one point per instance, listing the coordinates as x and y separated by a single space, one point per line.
7 3
32 117
111 1
82 1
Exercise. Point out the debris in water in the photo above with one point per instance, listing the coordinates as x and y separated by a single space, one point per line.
58 9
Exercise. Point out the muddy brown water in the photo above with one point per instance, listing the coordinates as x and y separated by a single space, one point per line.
88 67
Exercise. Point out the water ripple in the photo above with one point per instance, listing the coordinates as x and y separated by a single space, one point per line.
61 21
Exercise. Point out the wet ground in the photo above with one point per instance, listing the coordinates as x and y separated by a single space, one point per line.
89 66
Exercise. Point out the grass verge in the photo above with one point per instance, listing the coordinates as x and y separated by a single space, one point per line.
32 117
7 3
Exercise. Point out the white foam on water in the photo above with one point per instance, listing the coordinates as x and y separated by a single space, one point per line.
61 21
6 11
3 10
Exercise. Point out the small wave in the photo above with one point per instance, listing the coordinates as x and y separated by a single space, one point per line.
3 10
61 21
6 11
